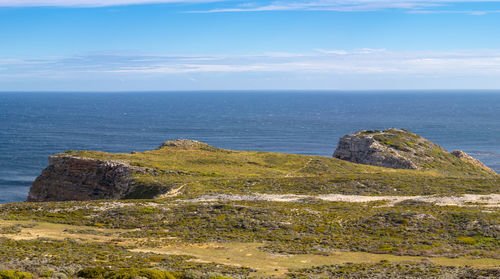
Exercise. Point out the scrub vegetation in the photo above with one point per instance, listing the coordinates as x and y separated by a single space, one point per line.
203 169
183 235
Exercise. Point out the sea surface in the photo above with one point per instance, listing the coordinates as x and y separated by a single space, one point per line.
36 125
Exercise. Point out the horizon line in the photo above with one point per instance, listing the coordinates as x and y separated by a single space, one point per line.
247 90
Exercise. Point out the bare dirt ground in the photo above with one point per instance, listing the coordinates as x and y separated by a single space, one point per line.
491 200
34 230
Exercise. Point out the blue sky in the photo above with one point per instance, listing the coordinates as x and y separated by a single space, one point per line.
115 45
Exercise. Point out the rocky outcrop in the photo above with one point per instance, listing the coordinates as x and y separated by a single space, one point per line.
365 149
183 144
74 178
70 177
88 175
401 149
186 144
471 160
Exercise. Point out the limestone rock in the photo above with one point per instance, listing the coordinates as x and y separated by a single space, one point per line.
366 150
186 144
182 143
402 149
74 178
469 159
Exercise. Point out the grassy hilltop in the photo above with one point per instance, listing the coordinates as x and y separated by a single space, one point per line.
205 169
246 214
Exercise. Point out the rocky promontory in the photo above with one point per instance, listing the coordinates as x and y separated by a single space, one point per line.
71 177
195 167
471 160
401 149
76 178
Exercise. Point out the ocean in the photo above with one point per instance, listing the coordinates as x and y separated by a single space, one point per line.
37 124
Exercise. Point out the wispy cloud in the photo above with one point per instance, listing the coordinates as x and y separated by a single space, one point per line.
465 12
92 3
322 68
227 6
344 5
352 62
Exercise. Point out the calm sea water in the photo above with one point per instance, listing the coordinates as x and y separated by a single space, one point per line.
35 125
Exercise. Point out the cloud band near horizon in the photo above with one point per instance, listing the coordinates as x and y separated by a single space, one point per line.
93 3
321 64
364 60
269 5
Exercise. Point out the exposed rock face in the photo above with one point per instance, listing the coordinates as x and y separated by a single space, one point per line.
367 150
471 160
401 149
75 178
185 144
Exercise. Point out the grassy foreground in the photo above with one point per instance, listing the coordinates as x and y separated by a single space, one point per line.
183 235
250 239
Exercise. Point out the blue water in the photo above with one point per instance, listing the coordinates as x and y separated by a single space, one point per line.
35 125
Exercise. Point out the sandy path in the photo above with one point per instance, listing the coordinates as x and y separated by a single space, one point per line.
491 200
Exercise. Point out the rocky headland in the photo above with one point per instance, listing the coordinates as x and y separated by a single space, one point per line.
393 205
400 149
87 175
76 178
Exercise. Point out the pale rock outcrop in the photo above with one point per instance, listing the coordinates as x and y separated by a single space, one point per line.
71 177
74 178
471 160
366 150
402 149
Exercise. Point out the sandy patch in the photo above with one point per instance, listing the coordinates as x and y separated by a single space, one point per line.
491 200
270 264
58 231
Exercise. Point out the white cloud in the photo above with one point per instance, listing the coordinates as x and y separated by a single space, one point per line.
346 5
90 3
269 5
326 69
466 12
332 51
364 61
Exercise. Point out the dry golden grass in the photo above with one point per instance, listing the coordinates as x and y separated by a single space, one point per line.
34 230
276 265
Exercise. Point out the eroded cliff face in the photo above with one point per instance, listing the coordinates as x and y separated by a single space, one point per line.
402 149
70 177
75 178
367 150
90 175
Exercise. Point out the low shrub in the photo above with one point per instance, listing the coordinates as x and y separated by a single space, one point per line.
124 273
14 274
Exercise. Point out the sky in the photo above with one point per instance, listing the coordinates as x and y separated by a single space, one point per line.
133 45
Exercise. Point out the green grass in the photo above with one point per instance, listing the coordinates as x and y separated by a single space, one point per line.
307 228
424 153
392 270
41 256
408 228
204 169
14 274
311 229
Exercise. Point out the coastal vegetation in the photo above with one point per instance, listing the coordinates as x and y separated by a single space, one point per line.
202 169
203 212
